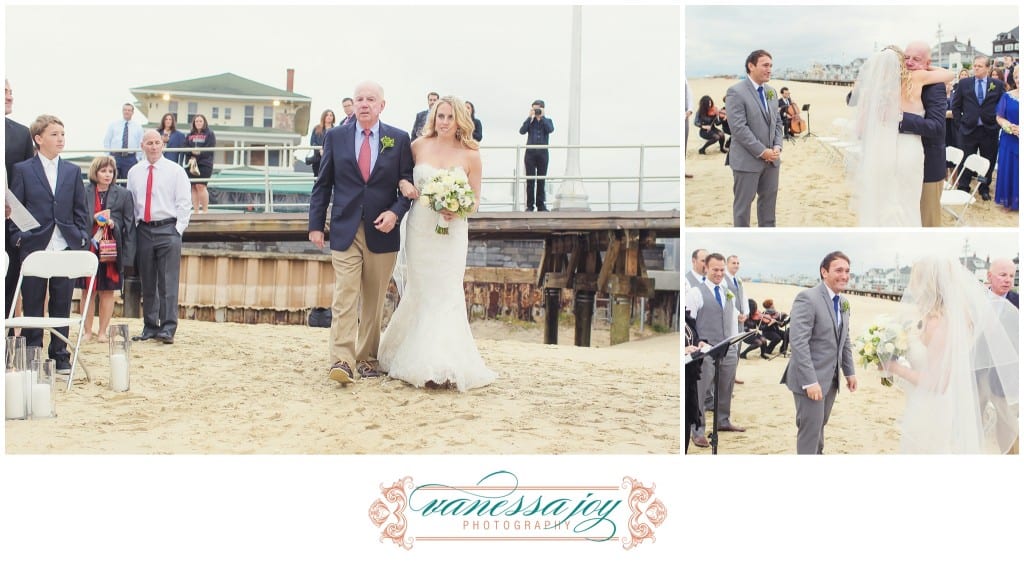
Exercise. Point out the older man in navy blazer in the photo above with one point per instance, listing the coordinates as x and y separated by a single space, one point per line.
52 191
974 110
363 161
932 129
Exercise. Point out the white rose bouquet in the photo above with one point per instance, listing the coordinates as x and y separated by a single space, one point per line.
448 189
884 341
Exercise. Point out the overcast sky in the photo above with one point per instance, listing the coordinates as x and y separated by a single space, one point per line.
767 252
719 38
500 58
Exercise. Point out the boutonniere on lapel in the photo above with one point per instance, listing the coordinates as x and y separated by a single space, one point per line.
991 86
729 295
386 143
771 94
844 306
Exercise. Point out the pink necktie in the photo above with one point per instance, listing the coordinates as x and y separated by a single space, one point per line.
364 156
146 214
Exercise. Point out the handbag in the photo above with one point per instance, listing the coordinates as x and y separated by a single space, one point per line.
107 247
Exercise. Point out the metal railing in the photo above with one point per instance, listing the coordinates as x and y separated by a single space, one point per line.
635 195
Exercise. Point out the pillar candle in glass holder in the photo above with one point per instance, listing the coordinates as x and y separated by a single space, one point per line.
43 388
15 401
119 372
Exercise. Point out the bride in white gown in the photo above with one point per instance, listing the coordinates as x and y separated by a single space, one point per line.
961 367
890 170
428 342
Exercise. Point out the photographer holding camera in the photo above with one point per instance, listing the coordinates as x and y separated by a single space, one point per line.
537 128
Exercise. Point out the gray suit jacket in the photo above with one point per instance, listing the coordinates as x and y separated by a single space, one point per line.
754 129
818 348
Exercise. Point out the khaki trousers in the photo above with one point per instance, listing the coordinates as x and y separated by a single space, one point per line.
359 274
931 211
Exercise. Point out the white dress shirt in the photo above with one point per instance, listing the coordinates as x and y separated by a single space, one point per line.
57 241
695 301
172 192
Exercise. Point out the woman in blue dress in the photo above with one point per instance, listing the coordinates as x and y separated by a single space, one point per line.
1008 175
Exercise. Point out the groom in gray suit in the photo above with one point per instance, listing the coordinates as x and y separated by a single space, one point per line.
757 131
820 347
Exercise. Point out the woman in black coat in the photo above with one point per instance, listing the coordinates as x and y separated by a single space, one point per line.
113 211
691 413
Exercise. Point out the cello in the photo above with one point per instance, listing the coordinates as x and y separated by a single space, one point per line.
797 125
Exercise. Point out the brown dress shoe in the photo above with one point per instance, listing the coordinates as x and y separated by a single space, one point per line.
731 429
341 372
701 442
368 369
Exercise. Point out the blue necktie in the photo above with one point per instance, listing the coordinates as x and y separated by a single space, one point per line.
764 101
835 304
980 85
718 296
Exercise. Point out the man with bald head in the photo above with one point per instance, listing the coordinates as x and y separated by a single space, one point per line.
696 273
362 163
1000 281
163 207
932 129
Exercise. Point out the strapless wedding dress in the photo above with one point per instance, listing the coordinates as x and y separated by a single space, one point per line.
925 427
428 338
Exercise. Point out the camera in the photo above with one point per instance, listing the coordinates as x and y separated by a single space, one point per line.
537 111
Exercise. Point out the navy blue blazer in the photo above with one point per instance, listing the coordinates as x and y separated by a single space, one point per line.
966 109
357 201
932 129
65 210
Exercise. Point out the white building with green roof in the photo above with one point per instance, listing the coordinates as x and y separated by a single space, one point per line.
241 113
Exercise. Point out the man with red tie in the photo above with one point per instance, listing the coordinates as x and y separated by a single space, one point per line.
362 165
163 206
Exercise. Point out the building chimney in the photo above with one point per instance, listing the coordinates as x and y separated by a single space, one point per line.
291 80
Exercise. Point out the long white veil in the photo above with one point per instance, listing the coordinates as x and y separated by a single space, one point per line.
966 396
875 129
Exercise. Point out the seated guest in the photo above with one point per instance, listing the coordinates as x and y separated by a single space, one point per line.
756 340
707 120
776 328
691 411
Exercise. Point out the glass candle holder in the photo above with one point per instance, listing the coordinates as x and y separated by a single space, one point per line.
120 349
15 379
44 387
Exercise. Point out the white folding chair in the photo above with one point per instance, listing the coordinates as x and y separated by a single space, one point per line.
56 264
954 155
953 198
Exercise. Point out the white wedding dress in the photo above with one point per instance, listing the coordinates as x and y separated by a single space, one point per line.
890 169
972 349
428 338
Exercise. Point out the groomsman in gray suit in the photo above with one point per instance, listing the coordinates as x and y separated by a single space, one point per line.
695 275
820 346
711 303
757 135
733 282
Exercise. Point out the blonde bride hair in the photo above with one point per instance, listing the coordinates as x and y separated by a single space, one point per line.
904 71
463 123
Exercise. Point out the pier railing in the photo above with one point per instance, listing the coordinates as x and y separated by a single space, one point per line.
254 185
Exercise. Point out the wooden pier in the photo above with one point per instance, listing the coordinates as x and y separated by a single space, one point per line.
586 252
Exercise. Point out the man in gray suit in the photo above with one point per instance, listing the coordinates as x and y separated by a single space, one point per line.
711 303
819 346
757 131
696 273
733 282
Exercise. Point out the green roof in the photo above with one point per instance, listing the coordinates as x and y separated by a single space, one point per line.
226 84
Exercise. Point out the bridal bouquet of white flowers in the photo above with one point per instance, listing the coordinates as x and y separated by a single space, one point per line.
884 341
448 189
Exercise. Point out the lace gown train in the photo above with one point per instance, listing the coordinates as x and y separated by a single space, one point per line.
428 338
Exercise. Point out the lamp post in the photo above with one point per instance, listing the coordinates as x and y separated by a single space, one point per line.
570 192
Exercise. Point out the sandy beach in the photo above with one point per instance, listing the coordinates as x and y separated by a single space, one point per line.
231 388
863 422
813 191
